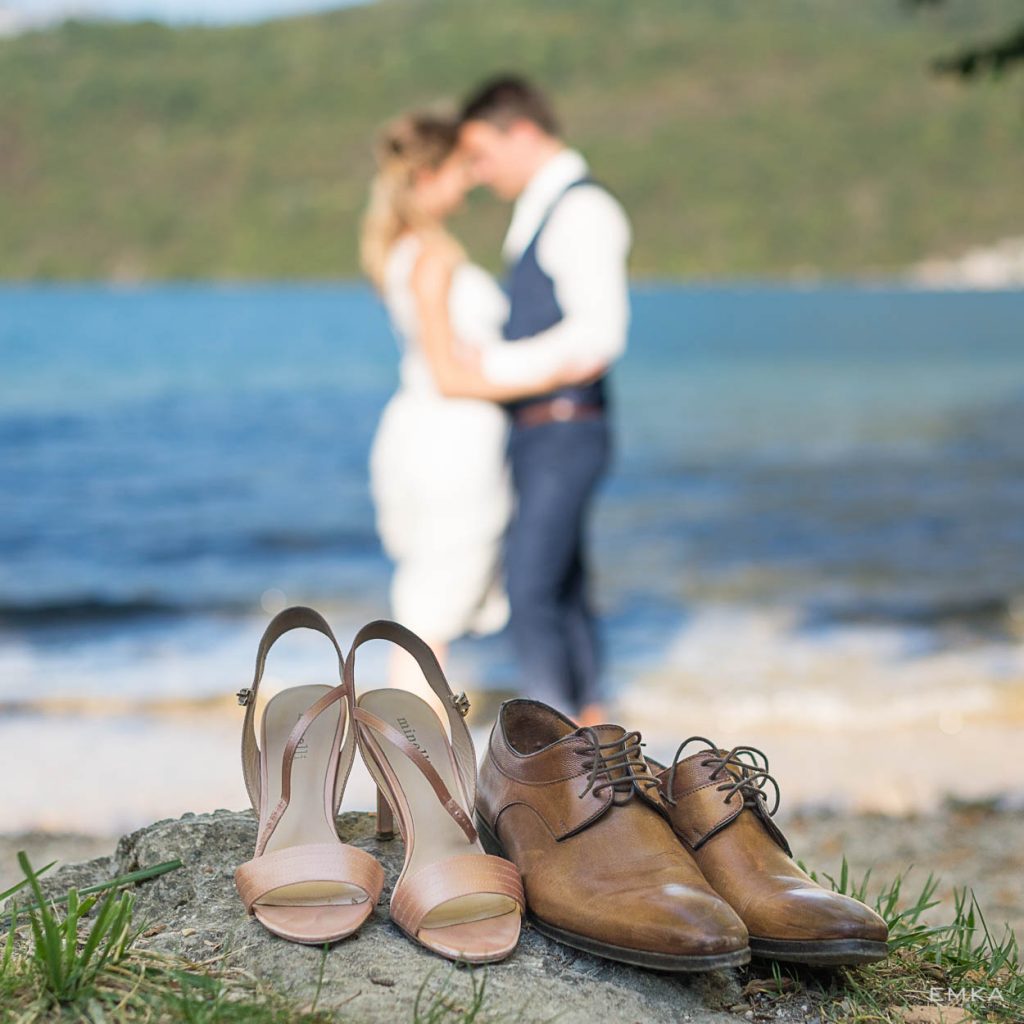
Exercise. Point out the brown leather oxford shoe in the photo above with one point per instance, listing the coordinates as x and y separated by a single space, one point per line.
718 808
578 811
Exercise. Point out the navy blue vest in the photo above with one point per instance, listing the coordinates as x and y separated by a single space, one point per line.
533 308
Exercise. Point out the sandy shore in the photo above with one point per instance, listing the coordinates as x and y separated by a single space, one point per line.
859 745
110 774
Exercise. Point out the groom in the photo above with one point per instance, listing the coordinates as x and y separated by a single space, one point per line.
566 249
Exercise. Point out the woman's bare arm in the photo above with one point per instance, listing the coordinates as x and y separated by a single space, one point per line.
456 376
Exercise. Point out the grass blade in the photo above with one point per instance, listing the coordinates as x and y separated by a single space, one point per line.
5 961
7 893
70 937
142 875
44 927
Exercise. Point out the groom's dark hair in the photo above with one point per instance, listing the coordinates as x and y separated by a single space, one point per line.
503 100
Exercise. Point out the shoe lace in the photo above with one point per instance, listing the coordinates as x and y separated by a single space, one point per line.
751 764
623 756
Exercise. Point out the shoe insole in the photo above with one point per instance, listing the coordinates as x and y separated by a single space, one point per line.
436 834
305 820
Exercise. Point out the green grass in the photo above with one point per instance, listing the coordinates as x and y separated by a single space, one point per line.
800 136
69 968
962 963
70 953
146 987
81 964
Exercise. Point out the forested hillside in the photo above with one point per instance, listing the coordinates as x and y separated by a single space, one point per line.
768 139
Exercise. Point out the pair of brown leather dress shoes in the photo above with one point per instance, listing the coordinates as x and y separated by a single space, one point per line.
679 868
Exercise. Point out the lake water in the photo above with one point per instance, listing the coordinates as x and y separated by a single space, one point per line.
821 470
169 455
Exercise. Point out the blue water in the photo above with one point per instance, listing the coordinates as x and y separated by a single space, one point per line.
173 453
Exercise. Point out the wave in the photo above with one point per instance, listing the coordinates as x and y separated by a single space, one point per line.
284 540
991 613
98 609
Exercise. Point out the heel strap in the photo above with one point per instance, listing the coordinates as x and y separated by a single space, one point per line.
298 617
450 804
456 706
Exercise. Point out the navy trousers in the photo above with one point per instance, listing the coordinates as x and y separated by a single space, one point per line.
555 470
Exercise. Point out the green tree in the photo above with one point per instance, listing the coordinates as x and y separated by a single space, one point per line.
993 56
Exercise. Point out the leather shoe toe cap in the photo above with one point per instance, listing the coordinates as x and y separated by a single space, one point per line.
814 913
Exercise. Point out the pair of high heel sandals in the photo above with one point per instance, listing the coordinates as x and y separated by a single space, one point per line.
303 883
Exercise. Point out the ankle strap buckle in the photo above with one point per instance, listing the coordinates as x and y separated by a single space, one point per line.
461 703
244 696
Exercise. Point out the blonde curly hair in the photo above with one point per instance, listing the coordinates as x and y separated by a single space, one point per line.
406 146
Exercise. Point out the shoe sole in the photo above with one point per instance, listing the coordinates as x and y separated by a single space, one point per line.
623 954
640 958
820 952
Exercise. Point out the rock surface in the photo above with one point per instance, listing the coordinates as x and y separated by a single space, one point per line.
375 975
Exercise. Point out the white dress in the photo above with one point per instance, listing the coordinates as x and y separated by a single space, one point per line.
437 468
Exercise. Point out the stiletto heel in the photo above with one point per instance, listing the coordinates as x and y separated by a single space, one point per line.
303 883
385 819
451 897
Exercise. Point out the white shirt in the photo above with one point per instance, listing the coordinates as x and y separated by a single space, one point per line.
583 249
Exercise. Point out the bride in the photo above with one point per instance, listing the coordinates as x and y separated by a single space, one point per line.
437 465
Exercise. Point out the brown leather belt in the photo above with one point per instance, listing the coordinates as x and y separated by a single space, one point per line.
555 410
